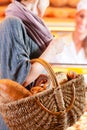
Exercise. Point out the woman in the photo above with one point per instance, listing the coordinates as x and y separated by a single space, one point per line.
18 46
16 50
75 50
30 11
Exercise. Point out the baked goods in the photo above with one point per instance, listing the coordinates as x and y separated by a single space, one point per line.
72 75
64 77
37 89
11 90
64 12
61 77
41 80
41 83
72 3
2 10
4 2
62 3
58 3
61 9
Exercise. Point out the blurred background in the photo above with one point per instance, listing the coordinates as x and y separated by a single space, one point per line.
58 16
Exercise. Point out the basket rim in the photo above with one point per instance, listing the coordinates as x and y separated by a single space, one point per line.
40 93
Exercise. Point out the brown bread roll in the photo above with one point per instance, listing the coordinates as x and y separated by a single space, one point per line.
57 12
11 90
58 3
73 3
4 2
2 10
72 75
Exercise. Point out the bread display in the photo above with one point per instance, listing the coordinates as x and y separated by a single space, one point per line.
64 12
59 3
61 9
58 9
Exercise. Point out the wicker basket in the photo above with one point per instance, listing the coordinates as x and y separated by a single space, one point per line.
55 108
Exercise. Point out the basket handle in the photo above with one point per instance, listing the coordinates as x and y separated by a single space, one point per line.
49 69
55 84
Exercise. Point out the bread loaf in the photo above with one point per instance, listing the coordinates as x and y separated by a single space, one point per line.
61 77
73 3
11 90
58 3
57 12
4 2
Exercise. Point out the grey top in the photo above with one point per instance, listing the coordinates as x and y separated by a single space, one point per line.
16 50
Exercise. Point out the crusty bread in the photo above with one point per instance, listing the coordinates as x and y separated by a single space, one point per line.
61 77
72 75
4 2
62 3
64 12
72 3
58 3
11 90
2 10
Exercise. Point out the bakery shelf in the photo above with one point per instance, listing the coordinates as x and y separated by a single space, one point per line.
55 24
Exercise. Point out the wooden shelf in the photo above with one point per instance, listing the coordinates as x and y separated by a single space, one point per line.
55 24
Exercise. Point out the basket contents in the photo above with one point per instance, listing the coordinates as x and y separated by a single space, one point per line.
43 81
11 90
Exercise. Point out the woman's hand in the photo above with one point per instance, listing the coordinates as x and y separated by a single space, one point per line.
48 55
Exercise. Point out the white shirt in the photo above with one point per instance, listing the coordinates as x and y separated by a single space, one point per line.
69 54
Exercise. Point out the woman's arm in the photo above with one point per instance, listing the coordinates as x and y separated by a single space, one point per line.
36 68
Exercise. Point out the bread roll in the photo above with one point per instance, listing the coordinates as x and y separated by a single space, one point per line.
72 12
61 77
2 10
4 2
73 3
58 3
11 90
57 12
72 75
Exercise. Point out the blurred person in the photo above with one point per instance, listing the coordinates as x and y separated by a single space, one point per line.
75 49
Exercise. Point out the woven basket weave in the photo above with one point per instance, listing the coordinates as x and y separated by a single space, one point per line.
55 108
